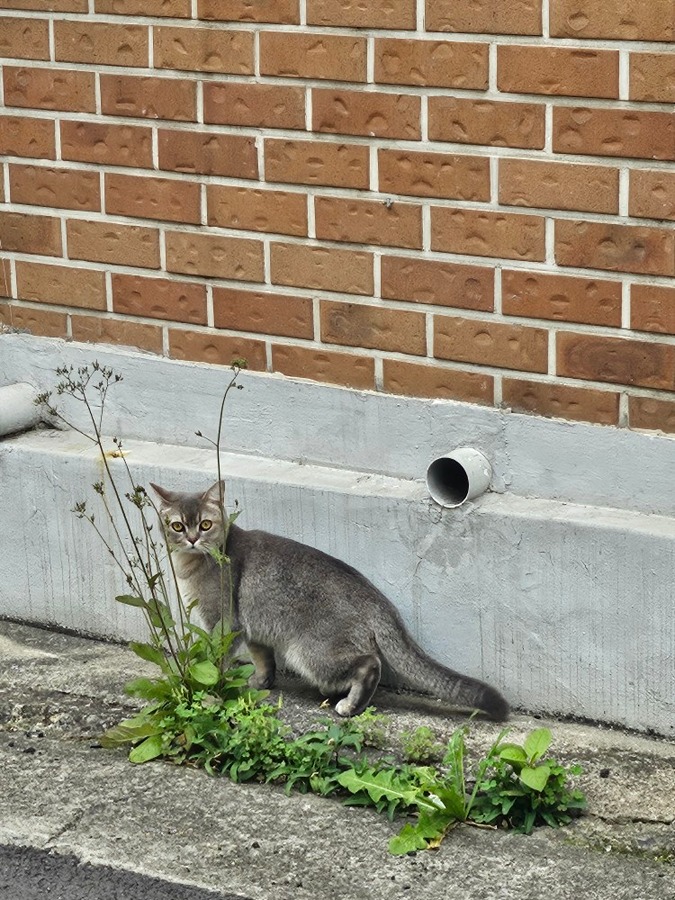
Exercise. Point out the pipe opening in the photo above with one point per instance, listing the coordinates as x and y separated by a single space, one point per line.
448 482
458 476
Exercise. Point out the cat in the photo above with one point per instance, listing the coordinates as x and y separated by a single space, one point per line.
322 617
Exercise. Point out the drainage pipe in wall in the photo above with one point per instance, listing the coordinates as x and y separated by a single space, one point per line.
18 411
459 476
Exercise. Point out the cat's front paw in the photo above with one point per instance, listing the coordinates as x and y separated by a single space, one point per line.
262 682
344 708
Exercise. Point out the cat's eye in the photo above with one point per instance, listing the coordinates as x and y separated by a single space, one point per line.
178 526
205 525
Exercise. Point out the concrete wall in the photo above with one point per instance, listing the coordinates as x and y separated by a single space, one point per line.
556 587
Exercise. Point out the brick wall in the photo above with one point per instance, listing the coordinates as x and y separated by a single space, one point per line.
470 199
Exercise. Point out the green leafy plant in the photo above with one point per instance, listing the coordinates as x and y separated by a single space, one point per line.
521 788
421 745
190 660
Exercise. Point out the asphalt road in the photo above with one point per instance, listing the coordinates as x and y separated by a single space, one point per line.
29 874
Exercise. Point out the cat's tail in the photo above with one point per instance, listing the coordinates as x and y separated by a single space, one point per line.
419 671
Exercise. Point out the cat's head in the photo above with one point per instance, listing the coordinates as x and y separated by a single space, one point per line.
192 521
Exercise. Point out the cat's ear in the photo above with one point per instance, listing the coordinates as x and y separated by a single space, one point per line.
163 493
215 492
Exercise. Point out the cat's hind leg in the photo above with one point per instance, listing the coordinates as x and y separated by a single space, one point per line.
265 665
365 677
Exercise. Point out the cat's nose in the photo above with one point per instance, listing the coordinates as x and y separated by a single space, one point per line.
193 540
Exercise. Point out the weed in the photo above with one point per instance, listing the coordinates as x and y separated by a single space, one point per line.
520 789
421 745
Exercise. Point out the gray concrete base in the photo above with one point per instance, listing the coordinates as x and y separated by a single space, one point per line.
567 609
60 791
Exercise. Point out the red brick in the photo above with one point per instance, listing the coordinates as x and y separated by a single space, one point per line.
652 308
106 144
614 132
175 9
446 175
297 55
254 105
366 113
652 194
373 327
159 298
23 38
204 50
168 199
415 380
217 349
431 63
618 248
562 71
655 415
360 14
149 98
488 16
437 283
212 256
561 298
262 312
35 320
348 369
28 137
62 188
49 89
491 343
550 185
561 401
652 77
618 360
507 235
486 122
205 153
278 212
322 268
84 41
368 222
62 285
45 6
23 233
313 162
621 19
112 243
103 330
5 278
282 12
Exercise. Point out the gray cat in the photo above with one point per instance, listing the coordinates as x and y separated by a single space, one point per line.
322 617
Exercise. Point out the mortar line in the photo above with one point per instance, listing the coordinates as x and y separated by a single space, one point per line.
624 407
624 75
378 373
625 304
551 370
210 320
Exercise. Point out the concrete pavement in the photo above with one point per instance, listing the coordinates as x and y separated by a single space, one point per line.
60 792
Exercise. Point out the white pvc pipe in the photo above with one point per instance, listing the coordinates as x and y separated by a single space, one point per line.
459 476
18 411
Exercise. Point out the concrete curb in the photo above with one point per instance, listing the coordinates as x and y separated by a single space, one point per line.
60 792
